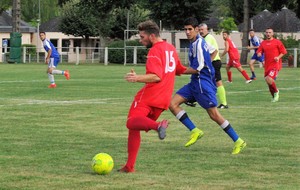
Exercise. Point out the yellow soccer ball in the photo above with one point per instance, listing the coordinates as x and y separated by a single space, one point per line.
102 163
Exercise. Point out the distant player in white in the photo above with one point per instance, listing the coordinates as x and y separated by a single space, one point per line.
52 61
255 41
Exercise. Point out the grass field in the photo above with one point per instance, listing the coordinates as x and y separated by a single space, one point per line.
49 136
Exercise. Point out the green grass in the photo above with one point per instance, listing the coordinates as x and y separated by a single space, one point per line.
49 136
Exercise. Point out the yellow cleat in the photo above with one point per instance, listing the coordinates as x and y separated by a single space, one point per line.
276 97
196 134
239 145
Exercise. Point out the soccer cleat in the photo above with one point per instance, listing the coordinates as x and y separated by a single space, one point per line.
239 145
67 74
248 81
253 78
229 81
162 129
53 85
196 134
126 169
276 97
222 106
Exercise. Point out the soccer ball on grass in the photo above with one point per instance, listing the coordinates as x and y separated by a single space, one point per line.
102 163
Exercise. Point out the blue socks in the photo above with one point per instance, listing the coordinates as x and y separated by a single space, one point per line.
185 120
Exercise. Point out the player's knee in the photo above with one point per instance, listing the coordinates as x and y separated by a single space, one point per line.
134 122
130 123
173 105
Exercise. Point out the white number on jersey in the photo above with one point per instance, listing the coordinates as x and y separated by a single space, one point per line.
170 62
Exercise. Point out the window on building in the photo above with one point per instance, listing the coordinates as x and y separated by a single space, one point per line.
65 45
77 43
54 42
5 44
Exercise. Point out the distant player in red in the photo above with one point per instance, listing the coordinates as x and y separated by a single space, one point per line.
273 49
234 58
150 101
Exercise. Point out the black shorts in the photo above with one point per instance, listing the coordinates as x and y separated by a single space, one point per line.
217 65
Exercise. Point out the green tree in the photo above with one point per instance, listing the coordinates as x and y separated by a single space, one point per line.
30 10
118 20
172 13
4 5
228 24
88 18
79 19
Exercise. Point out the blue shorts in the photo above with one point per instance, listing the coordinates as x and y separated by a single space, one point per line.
204 93
260 59
53 62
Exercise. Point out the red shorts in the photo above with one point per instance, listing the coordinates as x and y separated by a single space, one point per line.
141 109
272 73
234 63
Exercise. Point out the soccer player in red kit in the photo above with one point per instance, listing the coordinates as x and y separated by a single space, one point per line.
273 49
151 100
234 58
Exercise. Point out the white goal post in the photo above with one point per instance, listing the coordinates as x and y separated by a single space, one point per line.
126 38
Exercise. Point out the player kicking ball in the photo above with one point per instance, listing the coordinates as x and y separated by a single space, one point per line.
52 61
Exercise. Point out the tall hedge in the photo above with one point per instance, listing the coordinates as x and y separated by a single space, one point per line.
116 52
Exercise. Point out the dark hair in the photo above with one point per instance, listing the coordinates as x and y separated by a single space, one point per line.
251 30
42 33
269 28
226 31
191 21
150 27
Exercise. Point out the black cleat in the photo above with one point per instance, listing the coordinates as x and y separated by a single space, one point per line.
222 106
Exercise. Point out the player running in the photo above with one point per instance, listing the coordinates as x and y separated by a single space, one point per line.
255 41
52 61
234 58
201 88
274 50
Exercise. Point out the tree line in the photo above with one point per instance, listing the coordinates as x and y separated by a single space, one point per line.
109 18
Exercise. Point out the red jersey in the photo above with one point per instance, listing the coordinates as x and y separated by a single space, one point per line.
233 52
272 48
162 60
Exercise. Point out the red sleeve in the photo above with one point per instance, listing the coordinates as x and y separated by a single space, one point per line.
259 50
154 65
180 68
281 48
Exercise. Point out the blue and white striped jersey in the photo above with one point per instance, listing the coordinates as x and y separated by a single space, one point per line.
47 46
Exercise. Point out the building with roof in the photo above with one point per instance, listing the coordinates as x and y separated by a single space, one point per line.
28 33
283 21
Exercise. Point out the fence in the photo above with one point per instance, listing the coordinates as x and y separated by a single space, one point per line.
103 55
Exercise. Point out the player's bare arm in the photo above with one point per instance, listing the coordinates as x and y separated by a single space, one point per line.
48 56
190 70
147 78
226 49
278 57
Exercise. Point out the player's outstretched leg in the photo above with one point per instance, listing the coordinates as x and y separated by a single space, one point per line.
162 129
67 74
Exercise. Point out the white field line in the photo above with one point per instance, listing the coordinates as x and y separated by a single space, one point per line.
56 79
20 102
260 90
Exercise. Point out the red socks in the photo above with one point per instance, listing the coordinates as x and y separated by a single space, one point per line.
133 146
229 75
244 73
273 89
135 125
